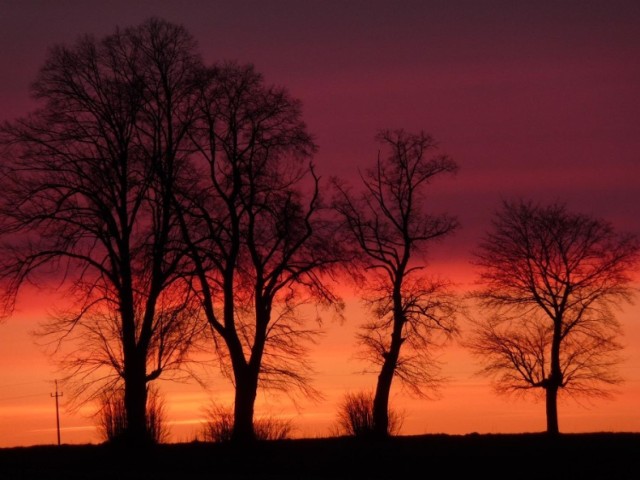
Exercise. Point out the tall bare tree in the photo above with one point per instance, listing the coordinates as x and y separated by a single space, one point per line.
550 283
259 239
87 199
388 223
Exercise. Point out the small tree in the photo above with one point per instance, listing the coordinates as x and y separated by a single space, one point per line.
550 283
389 227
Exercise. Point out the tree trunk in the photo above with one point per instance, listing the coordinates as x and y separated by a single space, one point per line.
247 373
381 400
245 397
135 404
385 378
383 388
135 369
552 410
555 380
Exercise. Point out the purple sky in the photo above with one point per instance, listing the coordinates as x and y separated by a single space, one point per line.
539 99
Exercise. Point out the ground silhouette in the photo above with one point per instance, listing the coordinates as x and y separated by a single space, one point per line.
512 456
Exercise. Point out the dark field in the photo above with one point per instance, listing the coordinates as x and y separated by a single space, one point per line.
571 456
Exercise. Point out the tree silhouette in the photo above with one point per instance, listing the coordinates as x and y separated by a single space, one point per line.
550 282
87 201
388 224
258 237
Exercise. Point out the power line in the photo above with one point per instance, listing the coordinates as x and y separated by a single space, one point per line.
2 399
9 386
18 384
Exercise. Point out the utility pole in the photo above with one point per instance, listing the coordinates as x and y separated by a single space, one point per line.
57 395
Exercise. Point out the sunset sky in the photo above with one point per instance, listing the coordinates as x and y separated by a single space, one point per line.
533 99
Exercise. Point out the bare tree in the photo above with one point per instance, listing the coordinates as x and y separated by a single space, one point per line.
550 283
87 201
259 239
388 224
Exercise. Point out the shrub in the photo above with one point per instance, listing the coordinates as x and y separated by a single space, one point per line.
355 416
269 428
218 426
157 428
112 418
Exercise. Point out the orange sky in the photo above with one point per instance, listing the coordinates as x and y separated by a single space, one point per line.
466 404
535 99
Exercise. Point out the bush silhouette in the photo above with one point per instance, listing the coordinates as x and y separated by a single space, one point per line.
218 426
355 416
112 418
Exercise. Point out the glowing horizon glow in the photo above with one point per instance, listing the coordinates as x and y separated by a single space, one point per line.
466 403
